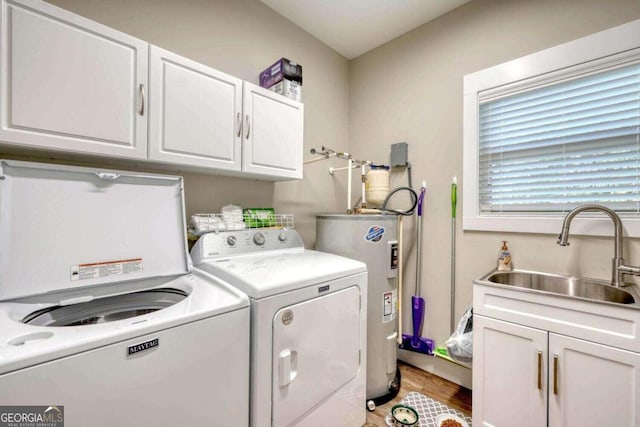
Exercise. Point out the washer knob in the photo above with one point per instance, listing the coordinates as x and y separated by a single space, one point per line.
258 239
282 237
231 240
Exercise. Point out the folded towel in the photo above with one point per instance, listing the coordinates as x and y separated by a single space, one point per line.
232 217
200 224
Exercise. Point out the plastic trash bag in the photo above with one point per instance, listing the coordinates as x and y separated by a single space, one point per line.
460 343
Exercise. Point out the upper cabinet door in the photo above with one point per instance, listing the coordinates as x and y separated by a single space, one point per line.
273 130
70 84
195 113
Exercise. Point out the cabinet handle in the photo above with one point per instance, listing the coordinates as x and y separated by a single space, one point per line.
539 370
248 125
239 124
141 92
555 374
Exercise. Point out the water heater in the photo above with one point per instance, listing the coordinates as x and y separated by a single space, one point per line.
372 239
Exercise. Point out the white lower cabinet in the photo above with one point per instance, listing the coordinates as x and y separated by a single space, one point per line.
524 376
592 384
509 382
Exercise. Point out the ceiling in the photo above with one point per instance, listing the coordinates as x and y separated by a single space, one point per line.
353 27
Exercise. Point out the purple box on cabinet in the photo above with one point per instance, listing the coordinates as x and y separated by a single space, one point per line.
284 77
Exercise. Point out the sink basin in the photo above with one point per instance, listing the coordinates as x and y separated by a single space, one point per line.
564 285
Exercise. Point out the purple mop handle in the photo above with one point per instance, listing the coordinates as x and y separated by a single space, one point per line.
417 302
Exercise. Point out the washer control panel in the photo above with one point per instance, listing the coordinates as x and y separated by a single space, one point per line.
247 241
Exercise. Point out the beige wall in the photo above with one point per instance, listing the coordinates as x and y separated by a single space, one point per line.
410 89
241 38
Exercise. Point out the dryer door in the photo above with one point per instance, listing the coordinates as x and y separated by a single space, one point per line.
316 350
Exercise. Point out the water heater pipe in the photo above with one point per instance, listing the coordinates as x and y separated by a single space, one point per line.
363 177
332 170
317 159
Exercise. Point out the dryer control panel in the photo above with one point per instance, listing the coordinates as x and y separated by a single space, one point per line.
214 245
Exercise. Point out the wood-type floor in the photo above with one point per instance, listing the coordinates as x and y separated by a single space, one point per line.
414 379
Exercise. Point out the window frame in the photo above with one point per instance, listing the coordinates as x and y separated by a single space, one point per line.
609 48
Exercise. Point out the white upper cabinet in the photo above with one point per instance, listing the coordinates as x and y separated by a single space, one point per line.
273 131
70 84
195 113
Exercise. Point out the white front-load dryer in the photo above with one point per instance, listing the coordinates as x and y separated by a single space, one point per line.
100 316
308 325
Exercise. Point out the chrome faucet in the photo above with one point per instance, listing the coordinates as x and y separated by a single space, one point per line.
617 263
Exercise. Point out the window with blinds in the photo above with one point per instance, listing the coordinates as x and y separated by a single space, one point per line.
554 147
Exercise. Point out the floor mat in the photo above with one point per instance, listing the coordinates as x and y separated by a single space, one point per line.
428 410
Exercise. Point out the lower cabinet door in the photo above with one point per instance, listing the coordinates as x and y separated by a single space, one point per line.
591 384
509 374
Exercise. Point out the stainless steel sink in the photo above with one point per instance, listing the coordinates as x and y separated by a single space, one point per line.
579 287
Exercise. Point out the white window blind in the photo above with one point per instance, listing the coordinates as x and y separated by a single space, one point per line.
554 147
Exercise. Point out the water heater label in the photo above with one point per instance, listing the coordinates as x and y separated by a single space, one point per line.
389 306
375 233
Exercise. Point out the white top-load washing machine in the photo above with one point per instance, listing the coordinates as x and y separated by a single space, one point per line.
308 325
100 316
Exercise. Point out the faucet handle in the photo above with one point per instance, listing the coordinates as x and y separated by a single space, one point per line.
628 269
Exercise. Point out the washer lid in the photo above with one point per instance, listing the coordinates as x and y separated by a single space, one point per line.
65 227
267 274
